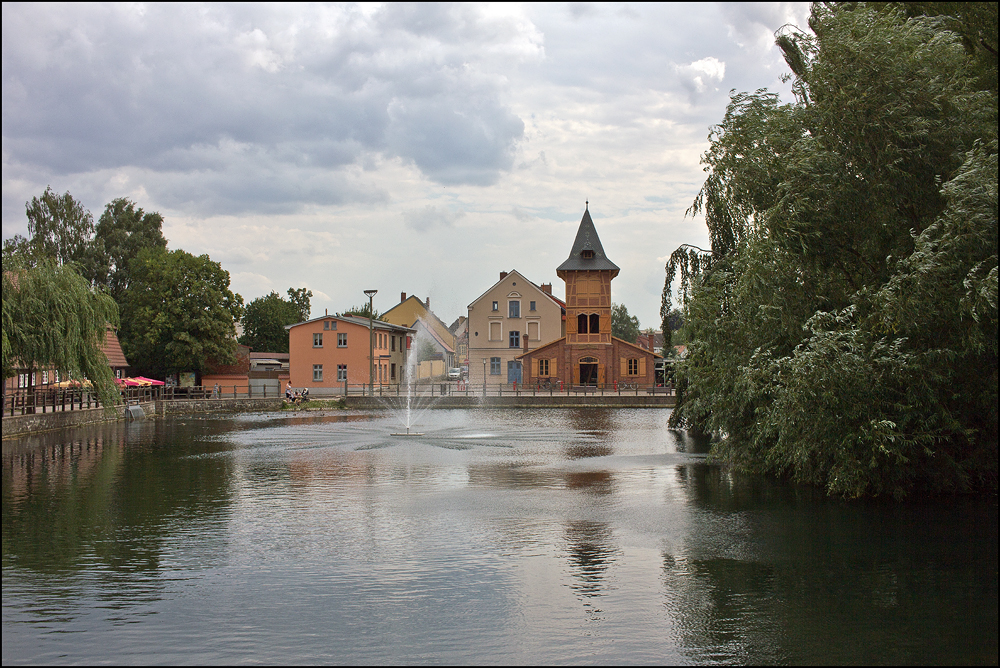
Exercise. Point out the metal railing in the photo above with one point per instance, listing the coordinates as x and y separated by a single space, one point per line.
48 400
551 387
43 399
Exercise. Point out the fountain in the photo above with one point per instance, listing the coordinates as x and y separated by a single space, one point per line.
415 403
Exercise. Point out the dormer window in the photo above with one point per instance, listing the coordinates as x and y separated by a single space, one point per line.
587 254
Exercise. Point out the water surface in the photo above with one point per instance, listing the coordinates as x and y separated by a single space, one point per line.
551 536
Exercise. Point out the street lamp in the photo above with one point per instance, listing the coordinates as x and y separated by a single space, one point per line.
484 377
371 343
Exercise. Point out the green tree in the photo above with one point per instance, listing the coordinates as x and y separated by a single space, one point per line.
122 231
302 298
361 312
426 350
623 325
178 313
52 318
843 325
264 322
59 228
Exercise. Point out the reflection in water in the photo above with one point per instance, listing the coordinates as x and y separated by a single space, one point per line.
592 428
322 539
594 482
591 552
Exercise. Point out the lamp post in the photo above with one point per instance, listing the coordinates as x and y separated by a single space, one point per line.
484 377
371 343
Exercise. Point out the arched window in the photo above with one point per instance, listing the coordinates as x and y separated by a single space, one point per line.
581 323
595 323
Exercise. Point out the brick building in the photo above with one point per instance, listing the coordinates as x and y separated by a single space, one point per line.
588 354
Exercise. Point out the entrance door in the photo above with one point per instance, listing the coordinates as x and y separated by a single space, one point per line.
514 372
588 374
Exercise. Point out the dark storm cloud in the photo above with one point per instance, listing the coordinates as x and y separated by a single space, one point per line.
171 88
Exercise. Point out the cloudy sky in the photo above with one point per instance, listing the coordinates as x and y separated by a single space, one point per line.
408 148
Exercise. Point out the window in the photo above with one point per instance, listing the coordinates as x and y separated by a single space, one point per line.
588 254
326 324
341 373
581 323
531 306
392 367
393 340
595 323
318 340
513 309
494 366
514 340
317 373
543 367
496 306
341 340
633 367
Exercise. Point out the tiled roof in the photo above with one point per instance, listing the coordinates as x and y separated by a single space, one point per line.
113 350
587 240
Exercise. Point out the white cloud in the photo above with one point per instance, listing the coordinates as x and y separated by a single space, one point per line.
707 69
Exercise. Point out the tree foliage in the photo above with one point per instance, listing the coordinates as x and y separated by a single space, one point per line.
53 319
122 231
623 325
60 229
844 323
178 313
302 298
265 318
362 312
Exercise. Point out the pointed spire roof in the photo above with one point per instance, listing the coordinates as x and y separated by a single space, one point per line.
587 253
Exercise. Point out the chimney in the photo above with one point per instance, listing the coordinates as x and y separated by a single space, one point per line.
427 304
402 297
326 311
547 288
503 275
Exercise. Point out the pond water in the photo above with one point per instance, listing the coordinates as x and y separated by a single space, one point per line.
552 536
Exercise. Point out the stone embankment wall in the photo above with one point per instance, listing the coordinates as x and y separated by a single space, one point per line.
20 425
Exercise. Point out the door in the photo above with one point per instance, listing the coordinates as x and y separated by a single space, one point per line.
588 374
514 372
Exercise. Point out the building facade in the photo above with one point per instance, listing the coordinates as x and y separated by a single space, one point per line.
325 352
511 318
588 354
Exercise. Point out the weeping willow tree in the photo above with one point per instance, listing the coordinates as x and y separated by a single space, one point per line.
843 324
53 320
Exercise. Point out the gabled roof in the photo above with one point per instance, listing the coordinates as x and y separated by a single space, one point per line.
587 240
558 301
437 337
113 350
353 320
425 313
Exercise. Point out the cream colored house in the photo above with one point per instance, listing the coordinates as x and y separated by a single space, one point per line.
511 318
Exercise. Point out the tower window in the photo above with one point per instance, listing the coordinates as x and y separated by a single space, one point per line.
587 254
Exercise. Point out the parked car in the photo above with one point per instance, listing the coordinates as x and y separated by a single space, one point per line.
454 373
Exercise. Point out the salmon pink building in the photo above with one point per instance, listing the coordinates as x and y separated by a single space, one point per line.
326 352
